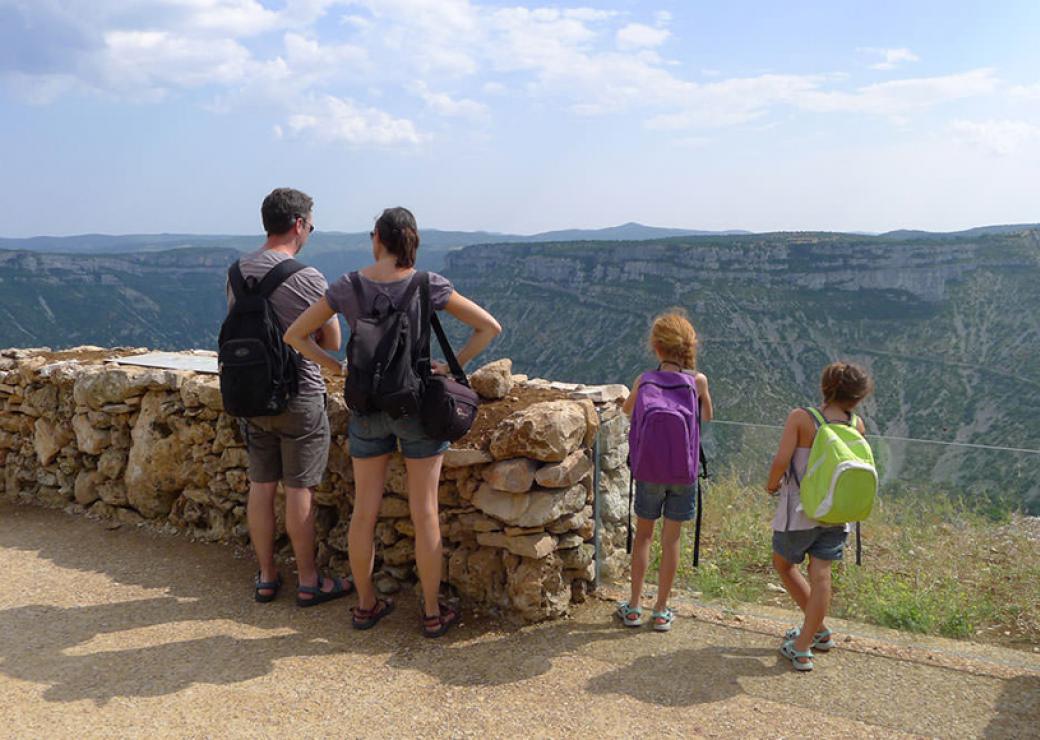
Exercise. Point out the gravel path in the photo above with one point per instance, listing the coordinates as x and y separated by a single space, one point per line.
129 632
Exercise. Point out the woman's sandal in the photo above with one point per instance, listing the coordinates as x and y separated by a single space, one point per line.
363 619
802 661
662 621
320 597
271 586
629 616
821 640
439 623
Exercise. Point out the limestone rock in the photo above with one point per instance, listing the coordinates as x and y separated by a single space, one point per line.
569 540
393 507
113 492
527 546
156 469
516 475
479 573
111 463
202 390
546 431
576 558
89 438
613 393
564 474
115 384
537 589
461 458
529 509
403 551
85 490
592 421
48 439
494 380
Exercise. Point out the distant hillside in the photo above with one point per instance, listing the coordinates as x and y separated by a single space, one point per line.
950 329
166 300
325 241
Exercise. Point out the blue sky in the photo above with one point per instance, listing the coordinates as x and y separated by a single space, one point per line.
136 116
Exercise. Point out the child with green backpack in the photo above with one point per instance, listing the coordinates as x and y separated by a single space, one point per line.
824 475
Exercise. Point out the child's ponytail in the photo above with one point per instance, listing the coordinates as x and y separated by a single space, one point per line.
674 338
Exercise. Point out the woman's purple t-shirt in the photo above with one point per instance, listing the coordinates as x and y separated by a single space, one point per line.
375 294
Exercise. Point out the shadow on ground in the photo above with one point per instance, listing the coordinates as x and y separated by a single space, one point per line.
677 679
1018 710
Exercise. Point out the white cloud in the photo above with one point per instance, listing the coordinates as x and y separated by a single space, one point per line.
445 105
1000 137
890 58
1026 92
638 36
341 120
901 97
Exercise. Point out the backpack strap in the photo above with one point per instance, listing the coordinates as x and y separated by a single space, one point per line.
278 275
817 417
424 360
236 281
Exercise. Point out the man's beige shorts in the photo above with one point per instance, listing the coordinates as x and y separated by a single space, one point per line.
292 447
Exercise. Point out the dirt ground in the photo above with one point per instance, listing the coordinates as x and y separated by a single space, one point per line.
117 632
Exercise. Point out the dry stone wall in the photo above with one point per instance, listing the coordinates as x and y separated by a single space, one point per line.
138 446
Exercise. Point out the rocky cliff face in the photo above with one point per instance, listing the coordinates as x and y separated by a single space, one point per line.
948 328
154 446
168 300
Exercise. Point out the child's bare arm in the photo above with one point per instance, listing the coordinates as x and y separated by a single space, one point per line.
707 409
630 402
782 461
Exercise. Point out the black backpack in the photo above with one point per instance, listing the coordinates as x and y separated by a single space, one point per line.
386 367
258 370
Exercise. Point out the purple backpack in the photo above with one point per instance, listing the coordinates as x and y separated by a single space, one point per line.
665 437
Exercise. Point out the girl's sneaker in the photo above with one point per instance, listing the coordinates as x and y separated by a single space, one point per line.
630 616
821 640
662 621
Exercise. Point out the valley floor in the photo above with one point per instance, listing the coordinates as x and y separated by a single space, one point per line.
116 632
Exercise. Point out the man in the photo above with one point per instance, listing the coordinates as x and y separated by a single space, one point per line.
293 446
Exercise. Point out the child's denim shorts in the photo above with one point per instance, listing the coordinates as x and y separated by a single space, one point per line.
825 543
678 503
372 435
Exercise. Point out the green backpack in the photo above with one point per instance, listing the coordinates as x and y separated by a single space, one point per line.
841 481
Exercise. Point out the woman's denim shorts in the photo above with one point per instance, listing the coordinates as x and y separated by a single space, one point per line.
372 435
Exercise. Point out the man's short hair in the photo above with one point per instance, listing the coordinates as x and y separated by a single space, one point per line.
282 207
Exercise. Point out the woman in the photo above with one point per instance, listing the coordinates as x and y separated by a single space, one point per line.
374 436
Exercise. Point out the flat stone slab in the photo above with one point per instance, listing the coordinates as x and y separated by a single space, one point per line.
194 361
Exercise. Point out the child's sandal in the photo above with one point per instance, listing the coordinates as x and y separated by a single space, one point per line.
802 661
630 616
821 640
662 621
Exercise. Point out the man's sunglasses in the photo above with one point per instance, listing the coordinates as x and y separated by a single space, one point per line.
304 219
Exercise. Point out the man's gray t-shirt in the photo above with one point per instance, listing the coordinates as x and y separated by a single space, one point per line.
299 291
376 295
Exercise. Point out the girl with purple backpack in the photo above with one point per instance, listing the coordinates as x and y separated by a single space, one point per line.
667 406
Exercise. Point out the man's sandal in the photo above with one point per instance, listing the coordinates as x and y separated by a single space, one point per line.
630 616
802 661
662 621
440 622
271 586
363 619
821 640
320 597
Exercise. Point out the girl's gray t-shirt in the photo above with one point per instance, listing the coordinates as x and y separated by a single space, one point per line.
377 295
